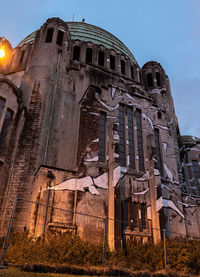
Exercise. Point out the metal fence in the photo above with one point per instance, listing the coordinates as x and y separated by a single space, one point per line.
107 232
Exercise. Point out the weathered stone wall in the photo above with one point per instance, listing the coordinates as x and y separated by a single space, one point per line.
56 159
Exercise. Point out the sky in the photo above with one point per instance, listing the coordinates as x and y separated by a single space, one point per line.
166 31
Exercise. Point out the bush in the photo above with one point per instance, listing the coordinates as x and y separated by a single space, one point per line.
66 249
56 249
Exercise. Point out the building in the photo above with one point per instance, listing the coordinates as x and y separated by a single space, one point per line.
85 129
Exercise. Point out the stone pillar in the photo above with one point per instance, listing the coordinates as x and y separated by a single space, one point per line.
153 194
111 191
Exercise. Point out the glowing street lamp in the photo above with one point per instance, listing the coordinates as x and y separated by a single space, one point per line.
2 48
2 52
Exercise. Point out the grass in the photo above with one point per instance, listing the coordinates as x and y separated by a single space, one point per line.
16 272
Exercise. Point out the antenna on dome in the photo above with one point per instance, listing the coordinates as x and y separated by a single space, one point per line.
73 17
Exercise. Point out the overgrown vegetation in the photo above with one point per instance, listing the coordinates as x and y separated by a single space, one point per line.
66 250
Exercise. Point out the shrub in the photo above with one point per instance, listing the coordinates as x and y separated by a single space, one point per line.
66 249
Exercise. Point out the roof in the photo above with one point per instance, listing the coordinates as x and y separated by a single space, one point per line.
190 140
89 33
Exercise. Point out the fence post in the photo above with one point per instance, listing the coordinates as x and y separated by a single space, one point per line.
105 237
6 241
165 248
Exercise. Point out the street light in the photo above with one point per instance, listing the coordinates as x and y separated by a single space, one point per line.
2 52
2 48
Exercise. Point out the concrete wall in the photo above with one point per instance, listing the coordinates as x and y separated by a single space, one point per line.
57 153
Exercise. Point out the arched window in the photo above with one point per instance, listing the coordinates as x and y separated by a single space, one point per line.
101 58
89 55
159 114
112 62
76 53
59 39
49 35
158 79
132 72
123 67
149 80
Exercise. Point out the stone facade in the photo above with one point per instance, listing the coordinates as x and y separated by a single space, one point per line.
84 129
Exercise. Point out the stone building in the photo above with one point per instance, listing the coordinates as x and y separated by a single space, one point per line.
85 129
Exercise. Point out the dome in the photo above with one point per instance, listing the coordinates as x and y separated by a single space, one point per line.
90 33
190 140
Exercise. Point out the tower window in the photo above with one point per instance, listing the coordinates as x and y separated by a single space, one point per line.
132 73
139 139
158 79
158 162
21 56
149 80
101 58
159 114
102 136
59 39
122 66
49 35
89 55
112 62
76 53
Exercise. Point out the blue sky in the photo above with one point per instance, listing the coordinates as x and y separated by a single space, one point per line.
167 31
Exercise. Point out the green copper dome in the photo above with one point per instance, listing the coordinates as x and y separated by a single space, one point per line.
90 33
190 140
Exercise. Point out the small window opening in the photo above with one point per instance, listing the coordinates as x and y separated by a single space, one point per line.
159 115
89 55
76 53
122 66
149 80
101 58
49 35
132 73
21 56
112 62
60 35
140 77
158 79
